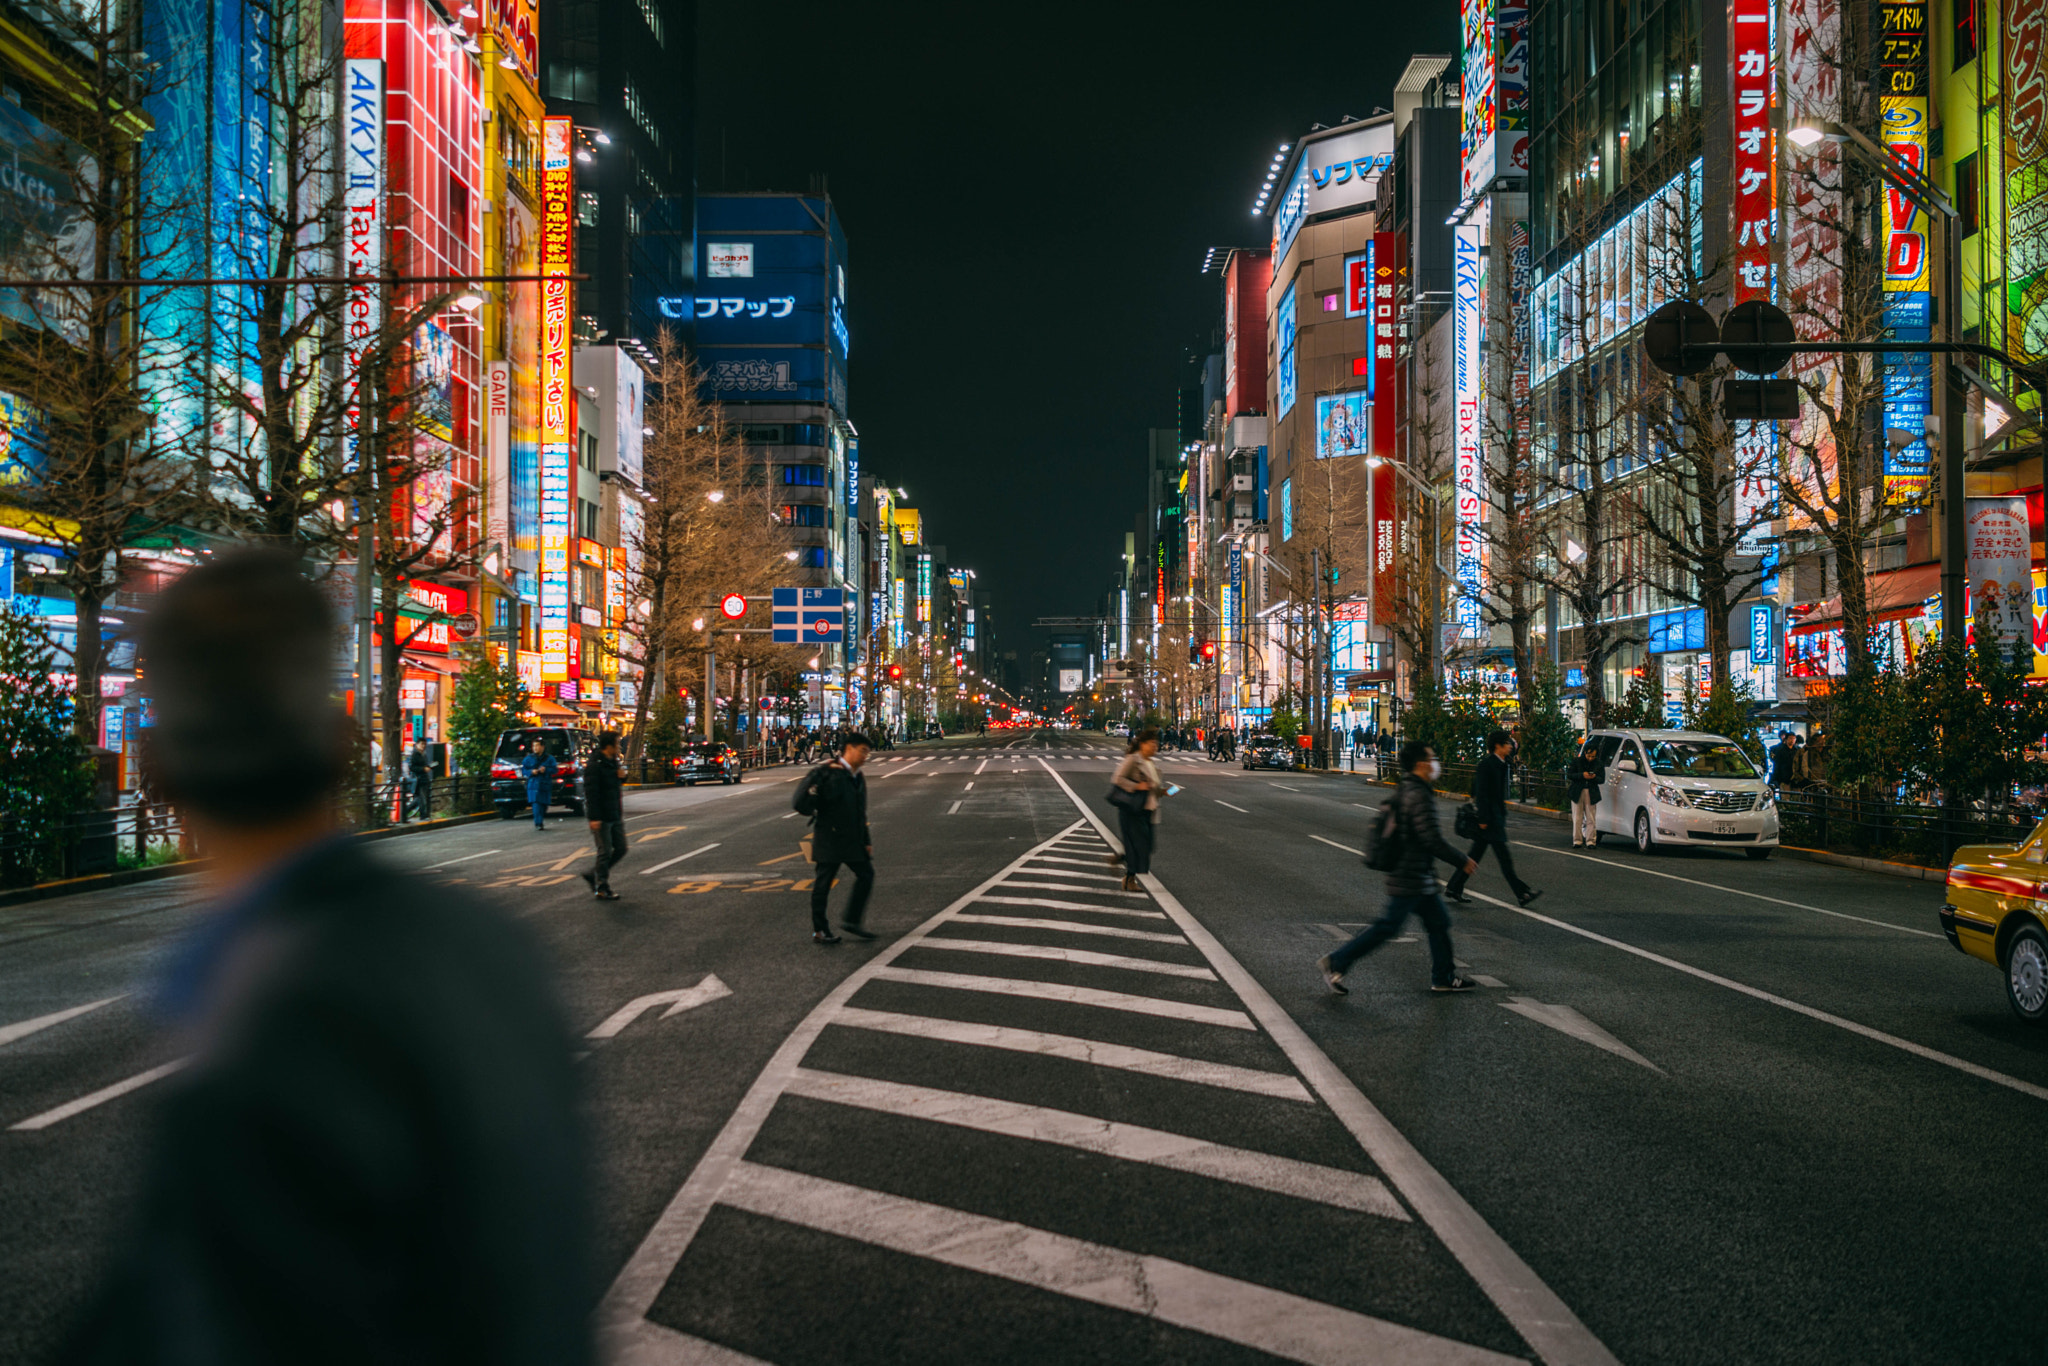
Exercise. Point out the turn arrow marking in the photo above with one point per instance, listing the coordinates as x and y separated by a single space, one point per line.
1565 1020
677 1001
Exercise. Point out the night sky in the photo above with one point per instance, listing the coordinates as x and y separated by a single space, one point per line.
1026 209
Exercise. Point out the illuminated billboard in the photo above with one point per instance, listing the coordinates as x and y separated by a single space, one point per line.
1494 140
1339 171
1343 424
1467 295
362 207
1283 344
557 404
1908 297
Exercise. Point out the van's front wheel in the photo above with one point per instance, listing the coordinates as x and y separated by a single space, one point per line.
1646 843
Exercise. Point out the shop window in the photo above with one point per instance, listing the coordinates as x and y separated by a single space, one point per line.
1966 195
807 476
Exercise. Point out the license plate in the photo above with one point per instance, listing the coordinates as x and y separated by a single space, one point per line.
1724 827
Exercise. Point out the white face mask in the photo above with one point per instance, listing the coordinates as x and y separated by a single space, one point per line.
1432 770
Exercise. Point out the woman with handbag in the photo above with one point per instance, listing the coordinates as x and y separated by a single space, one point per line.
1584 777
1134 791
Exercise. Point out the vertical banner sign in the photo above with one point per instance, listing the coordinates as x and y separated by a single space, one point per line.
557 412
1908 301
1466 399
2001 568
1233 604
498 451
1511 87
1476 139
1519 265
2024 47
1389 269
1752 48
1763 636
362 200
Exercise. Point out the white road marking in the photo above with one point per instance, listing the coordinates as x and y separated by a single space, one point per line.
1732 891
954 809
1073 873
1080 957
1534 1310
1333 931
99 1097
1478 977
1279 1085
980 766
677 1001
1060 991
1565 1020
1272 1321
2026 1088
1283 787
1068 887
1025 922
449 863
680 857
906 768
968 788
1083 862
789 815
42 1022
1053 905
1334 845
1220 802
1128 1142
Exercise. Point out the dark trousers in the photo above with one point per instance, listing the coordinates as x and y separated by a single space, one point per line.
422 795
1436 919
1498 842
610 839
863 870
537 798
1138 834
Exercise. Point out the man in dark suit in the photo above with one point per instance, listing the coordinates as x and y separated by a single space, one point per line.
604 807
374 1152
1490 795
839 798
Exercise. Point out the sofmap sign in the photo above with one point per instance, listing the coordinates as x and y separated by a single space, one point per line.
682 306
1330 173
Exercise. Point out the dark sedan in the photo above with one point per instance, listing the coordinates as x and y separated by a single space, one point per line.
708 763
1267 751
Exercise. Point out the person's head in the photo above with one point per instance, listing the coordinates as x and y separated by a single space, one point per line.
1418 758
1145 742
854 749
608 744
1592 747
1500 742
537 746
239 657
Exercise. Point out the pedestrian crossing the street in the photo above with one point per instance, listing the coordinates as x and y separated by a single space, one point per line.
1035 1129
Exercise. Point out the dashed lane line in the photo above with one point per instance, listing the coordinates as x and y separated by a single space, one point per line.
1053 953
98 1098
1224 1076
1982 1073
447 863
1272 1321
1240 810
1129 1142
1544 1320
1732 891
1334 845
953 810
22 1029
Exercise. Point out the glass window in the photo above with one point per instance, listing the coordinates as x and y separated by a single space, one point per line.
1699 759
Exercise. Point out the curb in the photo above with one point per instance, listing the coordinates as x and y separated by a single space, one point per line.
1868 865
128 877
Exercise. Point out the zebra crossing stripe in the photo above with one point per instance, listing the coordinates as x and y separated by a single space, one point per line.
1224 1076
1060 991
1074 873
1051 905
1127 1142
1272 1321
1022 922
1069 887
1086 958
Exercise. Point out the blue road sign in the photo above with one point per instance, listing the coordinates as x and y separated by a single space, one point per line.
813 616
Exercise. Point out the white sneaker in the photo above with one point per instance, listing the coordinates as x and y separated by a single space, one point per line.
1332 976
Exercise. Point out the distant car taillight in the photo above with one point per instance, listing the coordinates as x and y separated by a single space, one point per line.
501 769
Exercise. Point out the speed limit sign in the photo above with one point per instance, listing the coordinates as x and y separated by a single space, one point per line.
733 605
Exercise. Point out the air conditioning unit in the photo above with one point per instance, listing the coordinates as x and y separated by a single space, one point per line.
1243 483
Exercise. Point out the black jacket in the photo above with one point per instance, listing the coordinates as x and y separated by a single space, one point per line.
840 825
1584 775
375 1154
1422 841
603 791
1490 794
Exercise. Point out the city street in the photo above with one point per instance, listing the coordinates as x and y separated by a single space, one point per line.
1701 1109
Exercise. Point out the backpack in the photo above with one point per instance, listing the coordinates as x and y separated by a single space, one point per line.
804 801
1383 838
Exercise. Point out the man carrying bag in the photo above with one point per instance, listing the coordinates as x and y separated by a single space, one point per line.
1490 798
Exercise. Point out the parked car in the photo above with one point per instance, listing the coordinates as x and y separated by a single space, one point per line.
1669 787
702 763
571 747
1996 911
1267 751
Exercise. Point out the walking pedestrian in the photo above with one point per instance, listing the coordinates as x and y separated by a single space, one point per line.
373 1152
835 797
1135 824
1490 795
420 770
604 807
1781 757
538 768
1582 789
1411 886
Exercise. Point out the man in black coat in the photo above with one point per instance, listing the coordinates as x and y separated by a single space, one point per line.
838 798
604 808
374 1151
1490 795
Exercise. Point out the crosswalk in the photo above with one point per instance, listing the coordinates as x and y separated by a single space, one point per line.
1035 1129
1104 757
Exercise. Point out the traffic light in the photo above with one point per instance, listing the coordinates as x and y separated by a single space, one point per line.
895 673
1208 651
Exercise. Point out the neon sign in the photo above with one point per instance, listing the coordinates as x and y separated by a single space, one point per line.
363 218
557 414
1466 388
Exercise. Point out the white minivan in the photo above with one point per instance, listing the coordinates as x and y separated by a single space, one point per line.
1684 787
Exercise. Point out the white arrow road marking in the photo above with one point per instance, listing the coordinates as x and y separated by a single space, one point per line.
680 857
10 1033
1565 1020
682 999
99 1097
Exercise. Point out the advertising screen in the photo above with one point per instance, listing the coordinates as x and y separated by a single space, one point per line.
1908 300
1467 300
557 434
363 228
1283 344
1343 424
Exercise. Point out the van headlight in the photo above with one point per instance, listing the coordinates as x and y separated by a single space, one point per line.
1763 803
1668 794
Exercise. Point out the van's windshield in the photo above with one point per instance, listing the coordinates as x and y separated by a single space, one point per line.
1697 759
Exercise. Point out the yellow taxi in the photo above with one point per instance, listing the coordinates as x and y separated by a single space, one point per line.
1998 911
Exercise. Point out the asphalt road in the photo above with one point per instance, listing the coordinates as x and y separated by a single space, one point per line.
1702 1109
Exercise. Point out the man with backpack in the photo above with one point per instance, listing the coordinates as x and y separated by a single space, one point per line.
835 797
1404 843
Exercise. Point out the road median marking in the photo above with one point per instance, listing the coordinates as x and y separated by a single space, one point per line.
97 1098
40 1023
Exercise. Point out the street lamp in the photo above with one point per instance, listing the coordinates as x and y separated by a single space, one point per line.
1927 197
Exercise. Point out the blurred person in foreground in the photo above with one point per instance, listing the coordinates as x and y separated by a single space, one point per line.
373 1153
